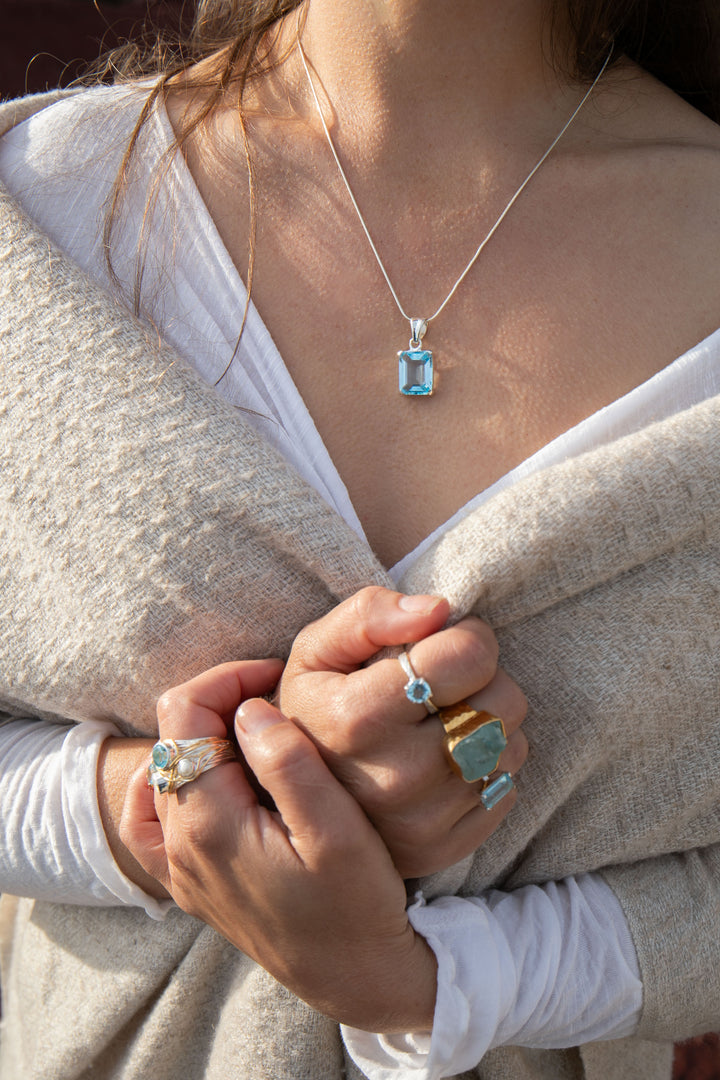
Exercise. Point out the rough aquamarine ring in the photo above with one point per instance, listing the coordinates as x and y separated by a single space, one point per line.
416 688
473 743
175 762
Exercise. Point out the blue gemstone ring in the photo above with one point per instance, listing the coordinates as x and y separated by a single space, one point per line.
175 762
416 688
474 742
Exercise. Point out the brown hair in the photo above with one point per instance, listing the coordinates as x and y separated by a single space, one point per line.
677 41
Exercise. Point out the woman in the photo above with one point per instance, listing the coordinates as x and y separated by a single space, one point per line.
597 573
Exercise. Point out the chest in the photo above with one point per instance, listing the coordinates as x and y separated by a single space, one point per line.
580 297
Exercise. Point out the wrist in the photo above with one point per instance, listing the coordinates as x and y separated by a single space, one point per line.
396 995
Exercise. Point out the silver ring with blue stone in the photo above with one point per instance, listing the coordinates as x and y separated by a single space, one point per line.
474 742
175 762
416 688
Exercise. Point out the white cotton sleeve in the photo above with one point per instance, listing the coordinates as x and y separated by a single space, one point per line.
53 843
546 966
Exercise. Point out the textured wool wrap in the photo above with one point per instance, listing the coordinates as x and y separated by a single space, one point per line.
146 533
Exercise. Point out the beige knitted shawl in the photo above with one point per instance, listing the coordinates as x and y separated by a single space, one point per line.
146 533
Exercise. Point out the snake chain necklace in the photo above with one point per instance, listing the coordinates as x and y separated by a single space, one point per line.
416 376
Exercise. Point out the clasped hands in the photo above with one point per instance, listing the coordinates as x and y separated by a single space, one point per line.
310 884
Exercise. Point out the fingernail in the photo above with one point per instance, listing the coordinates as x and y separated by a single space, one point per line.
255 715
419 605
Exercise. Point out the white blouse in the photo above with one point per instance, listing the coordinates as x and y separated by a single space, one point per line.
60 165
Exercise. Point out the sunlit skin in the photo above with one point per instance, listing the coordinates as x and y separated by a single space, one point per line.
577 298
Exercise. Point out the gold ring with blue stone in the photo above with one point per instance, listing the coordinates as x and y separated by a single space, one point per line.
175 762
474 742
416 688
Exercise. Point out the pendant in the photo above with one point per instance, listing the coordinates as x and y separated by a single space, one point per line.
415 364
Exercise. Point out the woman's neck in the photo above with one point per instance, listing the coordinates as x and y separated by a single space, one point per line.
410 77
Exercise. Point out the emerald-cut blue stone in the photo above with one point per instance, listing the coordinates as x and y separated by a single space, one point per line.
160 755
478 753
415 372
496 790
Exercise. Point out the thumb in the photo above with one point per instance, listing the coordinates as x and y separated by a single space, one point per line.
360 626
315 808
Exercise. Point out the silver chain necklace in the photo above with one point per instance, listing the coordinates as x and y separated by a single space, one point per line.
416 375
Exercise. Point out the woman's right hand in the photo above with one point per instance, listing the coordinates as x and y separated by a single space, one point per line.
307 889
386 750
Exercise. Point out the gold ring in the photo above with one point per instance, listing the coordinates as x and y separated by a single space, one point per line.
473 740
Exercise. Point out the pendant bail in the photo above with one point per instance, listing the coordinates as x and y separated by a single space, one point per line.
418 329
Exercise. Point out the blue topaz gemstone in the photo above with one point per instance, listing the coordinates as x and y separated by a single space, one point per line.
161 755
158 781
478 753
418 691
415 371
496 790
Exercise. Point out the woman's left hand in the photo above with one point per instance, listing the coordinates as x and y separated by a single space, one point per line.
386 750
308 890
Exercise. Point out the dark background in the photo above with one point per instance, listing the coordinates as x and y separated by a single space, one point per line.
47 43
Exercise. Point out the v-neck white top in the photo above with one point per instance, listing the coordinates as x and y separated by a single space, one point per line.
60 164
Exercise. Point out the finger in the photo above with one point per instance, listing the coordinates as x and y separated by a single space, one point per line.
369 708
450 822
421 775
422 785
196 708
313 805
456 662
502 697
464 837
141 831
368 621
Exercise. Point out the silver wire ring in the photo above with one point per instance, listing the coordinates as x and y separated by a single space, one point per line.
175 762
416 688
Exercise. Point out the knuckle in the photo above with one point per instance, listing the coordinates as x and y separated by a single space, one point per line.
196 835
353 726
304 647
362 602
166 705
401 785
517 703
386 799
173 703
283 756
476 650
176 850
